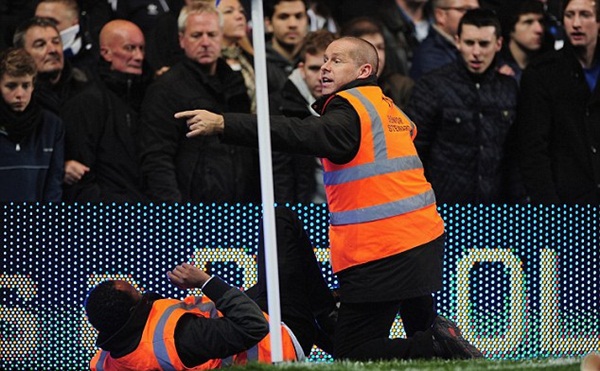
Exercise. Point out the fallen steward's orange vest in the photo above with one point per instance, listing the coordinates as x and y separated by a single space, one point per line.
156 350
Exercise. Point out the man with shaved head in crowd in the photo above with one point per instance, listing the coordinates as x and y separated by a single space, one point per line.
386 237
102 122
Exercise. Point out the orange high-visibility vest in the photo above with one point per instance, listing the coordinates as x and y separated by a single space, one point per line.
380 202
156 350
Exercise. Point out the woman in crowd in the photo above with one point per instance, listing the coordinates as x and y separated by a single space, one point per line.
236 47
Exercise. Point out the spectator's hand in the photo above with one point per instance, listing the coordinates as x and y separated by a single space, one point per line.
201 122
74 171
187 276
507 70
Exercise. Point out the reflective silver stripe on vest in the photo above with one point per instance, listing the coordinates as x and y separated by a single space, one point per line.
252 353
160 349
376 124
300 356
100 365
379 167
226 362
369 214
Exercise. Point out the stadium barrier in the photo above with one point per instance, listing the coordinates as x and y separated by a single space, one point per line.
521 281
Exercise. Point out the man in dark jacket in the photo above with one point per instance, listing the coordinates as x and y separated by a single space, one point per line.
78 47
201 170
406 24
439 47
102 122
463 113
523 36
559 115
57 81
287 21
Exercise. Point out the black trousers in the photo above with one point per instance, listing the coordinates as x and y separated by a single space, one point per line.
363 326
305 297
363 330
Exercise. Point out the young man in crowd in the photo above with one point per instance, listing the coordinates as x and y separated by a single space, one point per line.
287 22
464 112
558 115
524 36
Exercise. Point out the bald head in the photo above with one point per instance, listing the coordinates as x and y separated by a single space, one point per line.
363 52
347 59
122 45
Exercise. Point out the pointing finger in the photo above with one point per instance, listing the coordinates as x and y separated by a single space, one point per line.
185 114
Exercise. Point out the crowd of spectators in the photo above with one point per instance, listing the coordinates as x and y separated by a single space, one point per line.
510 116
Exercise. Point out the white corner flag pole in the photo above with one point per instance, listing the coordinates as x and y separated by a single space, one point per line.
266 179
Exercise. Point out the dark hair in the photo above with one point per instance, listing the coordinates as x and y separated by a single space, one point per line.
269 6
108 308
480 18
524 7
316 41
596 6
19 37
16 62
358 27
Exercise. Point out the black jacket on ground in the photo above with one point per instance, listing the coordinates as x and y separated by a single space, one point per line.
180 169
463 121
101 132
559 131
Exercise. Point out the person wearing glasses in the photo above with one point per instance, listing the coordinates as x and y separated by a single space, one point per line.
439 48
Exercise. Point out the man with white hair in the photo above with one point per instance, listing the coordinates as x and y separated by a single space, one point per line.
176 169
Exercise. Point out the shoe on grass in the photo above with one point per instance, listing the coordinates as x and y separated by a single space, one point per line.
448 342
